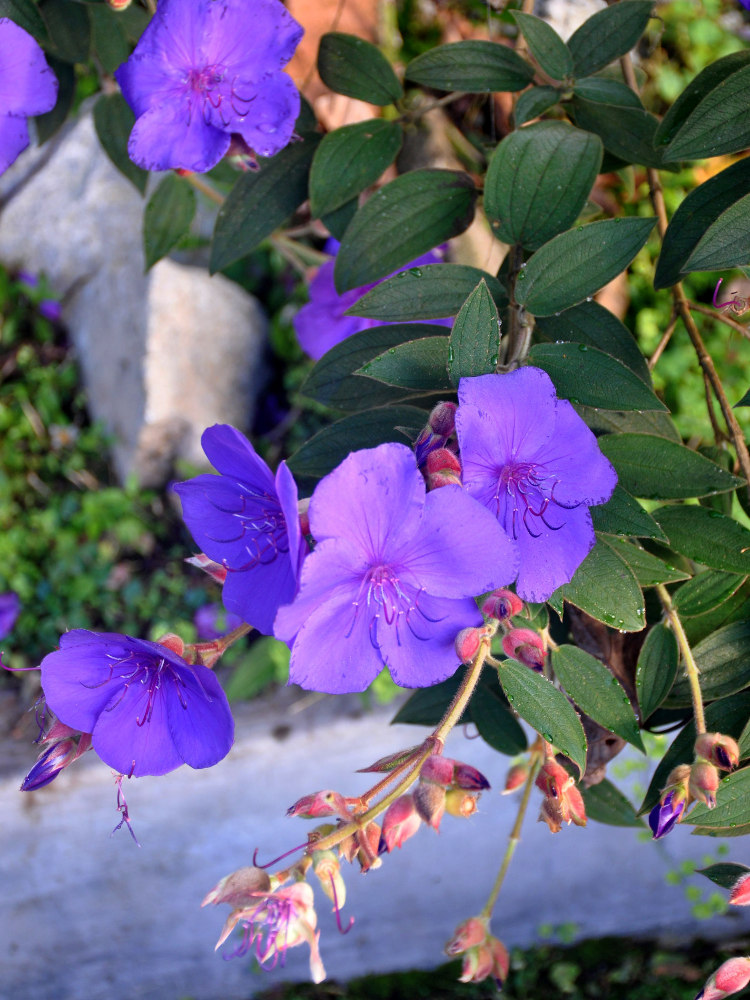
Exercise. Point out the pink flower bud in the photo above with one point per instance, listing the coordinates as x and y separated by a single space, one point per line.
526 646
703 783
502 604
468 934
438 769
442 468
327 867
325 803
303 507
429 800
729 978
442 419
468 777
718 749
515 777
468 643
400 822
240 888
501 961
172 642
740 894
477 964
460 803
119 4
215 570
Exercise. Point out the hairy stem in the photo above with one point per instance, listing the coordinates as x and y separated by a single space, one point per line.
691 667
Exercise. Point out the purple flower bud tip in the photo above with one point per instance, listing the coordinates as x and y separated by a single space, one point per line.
10 607
665 815
51 310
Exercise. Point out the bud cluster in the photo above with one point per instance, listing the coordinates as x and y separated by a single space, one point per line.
439 434
484 956
563 802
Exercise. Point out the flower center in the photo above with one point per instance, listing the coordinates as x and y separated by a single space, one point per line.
216 95
386 602
260 525
530 492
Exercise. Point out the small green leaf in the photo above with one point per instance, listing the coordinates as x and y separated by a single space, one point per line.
745 401
588 376
707 590
723 660
534 102
605 91
725 873
623 515
609 34
477 67
475 338
113 121
606 804
605 587
264 663
432 291
654 422
706 536
656 670
732 804
167 218
579 262
657 469
69 29
108 37
545 45
337 221
26 15
406 218
647 568
538 180
545 709
420 365
626 132
497 725
352 66
718 123
348 160
726 242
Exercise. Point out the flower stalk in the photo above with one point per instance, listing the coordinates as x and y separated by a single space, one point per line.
691 667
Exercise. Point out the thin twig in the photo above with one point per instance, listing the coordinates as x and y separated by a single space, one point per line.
666 337
720 317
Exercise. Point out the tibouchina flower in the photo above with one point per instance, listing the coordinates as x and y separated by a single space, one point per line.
531 460
322 323
148 711
205 69
246 520
27 87
392 577
666 814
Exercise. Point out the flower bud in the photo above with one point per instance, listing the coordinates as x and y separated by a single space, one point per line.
327 867
303 509
172 642
553 779
442 419
429 800
729 978
460 803
477 964
501 961
49 764
468 777
118 4
438 769
468 643
704 780
502 604
215 570
400 822
325 803
551 813
468 934
667 813
515 777
718 749
526 646
442 468
240 888
740 894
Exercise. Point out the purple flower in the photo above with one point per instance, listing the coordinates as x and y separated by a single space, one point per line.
246 520
204 70
27 87
213 622
322 323
666 814
531 460
148 711
10 607
391 580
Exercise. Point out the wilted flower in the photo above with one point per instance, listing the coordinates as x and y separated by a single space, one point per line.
247 521
529 458
729 978
148 711
392 577
483 954
204 70
563 802
10 607
27 87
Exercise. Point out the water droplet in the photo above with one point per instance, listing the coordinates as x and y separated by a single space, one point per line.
733 825
403 274
589 298
266 128
582 347
580 229
521 275
451 355
493 360
559 341
617 219
416 271
391 350
548 737
714 513
511 698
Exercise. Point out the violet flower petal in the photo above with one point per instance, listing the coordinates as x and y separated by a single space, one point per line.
27 84
10 608
269 127
14 138
200 721
169 137
550 559
132 734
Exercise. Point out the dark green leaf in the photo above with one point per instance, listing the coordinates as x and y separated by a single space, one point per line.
545 709
724 663
732 804
718 124
630 422
352 66
706 81
605 91
647 568
49 123
259 202
656 469
588 376
497 725
348 160
333 382
113 121
609 34
705 591
656 670
336 222
706 536
726 243
477 67
432 291
605 587
427 706
579 262
734 609
725 873
623 515
26 15
406 218
420 365
533 103
545 45
606 804
108 37
745 401
696 213
592 324
167 218
538 181
475 338
69 29
626 132
596 692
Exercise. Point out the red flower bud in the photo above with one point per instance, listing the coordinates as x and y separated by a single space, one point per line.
468 643
438 769
325 803
173 643
553 779
429 800
703 782
718 749
515 777
526 646
502 604
400 822
729 978
740 894
468 934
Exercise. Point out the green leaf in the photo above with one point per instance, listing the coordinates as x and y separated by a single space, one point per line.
647 568
656 670
475 339
337 221
406 218
609 34
433 291
538 180
420 365
654 468
69 29
596 692
168 216
108 37
348 160
497 725
588 376
745 401
606 804
705 591
606 91
718 124
323 452
723 660
352 66
266 661
630 422
724 874
545 709
259 202
592 324
579 262
26 15
707 80
545 45
732 804
113 121
476 67
623 515
605 587
726 243
734 609
696 213
47 124
427 706
706 536
533 103
626 132
333 382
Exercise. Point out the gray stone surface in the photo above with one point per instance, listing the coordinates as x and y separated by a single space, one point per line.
163 354
86 916
566 16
